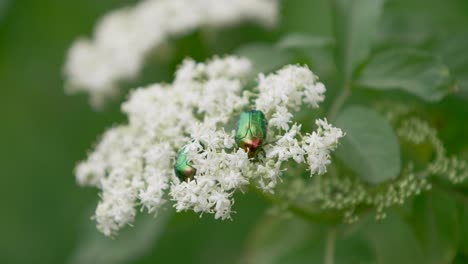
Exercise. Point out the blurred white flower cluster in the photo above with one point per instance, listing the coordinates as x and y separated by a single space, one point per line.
123 38
133 164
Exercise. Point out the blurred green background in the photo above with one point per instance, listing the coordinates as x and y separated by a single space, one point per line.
43 132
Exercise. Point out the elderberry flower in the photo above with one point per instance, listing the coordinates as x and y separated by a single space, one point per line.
123 38
288 89
133 164
319 144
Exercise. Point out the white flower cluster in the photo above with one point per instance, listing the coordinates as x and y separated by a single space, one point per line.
280 95
288 90
123 38
219 173
319 144
134 164
135 161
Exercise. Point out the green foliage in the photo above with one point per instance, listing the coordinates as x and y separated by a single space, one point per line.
356 24
434 218
279 239
394 241
452 49
265 57
316 50
415 72
370 147
304 42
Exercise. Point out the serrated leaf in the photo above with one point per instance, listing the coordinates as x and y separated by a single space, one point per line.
412 71
265 57
129 245
370 147
356 25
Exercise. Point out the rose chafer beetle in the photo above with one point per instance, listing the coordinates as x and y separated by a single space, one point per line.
251 132
182 168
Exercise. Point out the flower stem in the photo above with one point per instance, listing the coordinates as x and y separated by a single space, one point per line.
330 246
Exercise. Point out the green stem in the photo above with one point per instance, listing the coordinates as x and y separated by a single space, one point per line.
330 246
339 101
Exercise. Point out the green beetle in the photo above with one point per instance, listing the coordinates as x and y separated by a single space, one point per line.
182 168
251 131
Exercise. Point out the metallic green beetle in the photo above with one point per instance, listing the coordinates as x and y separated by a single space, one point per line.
183 169
251 131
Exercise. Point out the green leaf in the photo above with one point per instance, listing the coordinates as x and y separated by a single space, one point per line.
354 248
370 147
414 72
436 224
306 16
356 23
304 41
315 50
265 57
277 240
394 241
452 49
131 244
